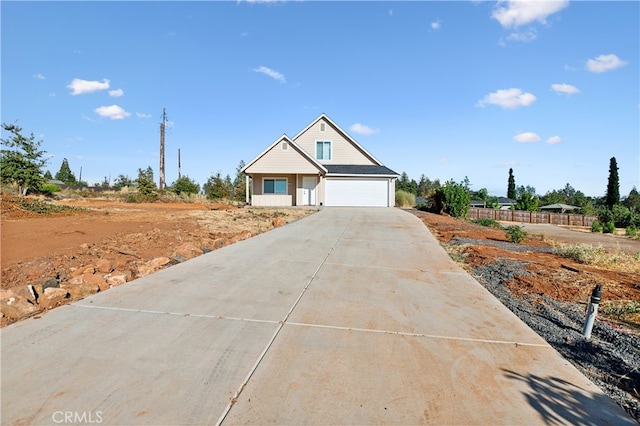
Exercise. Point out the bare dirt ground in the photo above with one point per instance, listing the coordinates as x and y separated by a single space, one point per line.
50 260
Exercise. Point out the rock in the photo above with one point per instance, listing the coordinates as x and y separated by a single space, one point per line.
52 297
188 251
79 290
50 283
144 270
95 280
14 307
178 259
219 243
116 280
243 235
104 266
27 292
278 222
158 262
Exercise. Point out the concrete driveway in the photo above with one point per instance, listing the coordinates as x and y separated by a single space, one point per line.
349 316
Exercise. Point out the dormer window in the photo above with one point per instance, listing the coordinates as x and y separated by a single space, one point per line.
323 126
323 150
284 146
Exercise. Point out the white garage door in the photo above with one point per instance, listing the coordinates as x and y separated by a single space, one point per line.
357 192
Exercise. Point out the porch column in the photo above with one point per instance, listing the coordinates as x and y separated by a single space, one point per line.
246 188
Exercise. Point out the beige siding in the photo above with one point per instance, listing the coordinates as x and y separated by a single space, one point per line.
291 184
276 161
342 151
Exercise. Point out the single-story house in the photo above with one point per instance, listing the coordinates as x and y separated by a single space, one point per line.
320 166
559 208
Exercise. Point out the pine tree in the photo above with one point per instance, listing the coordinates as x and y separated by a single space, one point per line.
65 174
511 188
613 187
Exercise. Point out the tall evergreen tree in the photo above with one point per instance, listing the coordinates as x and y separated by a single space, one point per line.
511 187
613 187
65 174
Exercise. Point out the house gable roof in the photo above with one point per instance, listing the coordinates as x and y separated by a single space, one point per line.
293 147
342 133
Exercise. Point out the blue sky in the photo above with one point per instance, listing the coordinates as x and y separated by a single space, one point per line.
445 89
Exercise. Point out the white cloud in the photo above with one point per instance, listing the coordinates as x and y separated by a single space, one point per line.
79 86
523 37
508 98
604 63
565 88
554 140
39 76
142 115
508 164
362 129
526 137
113 112
271 73
515 13
435 25
444 160
116 93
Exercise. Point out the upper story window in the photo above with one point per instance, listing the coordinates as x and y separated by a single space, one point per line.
323 150
323 126
284 146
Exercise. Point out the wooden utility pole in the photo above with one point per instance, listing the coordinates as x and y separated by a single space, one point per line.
162 125
179 175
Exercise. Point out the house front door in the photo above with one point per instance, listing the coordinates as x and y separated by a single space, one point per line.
309 190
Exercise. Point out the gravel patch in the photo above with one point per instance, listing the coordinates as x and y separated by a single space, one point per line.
501 244
611 359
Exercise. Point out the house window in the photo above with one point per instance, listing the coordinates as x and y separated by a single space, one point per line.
274 186
323 127
323 150
284 146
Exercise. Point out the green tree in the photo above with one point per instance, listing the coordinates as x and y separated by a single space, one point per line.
22 162
216 188
145 184
47 176
613 186
121 181
452 198
511 186
65 174
184 185
522 189
239 183
427 187
632 201
527 202
406 184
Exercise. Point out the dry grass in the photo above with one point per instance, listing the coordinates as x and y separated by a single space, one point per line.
599 257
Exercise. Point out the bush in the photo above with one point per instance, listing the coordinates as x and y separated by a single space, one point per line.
405 199
515 234
631 231
49 188
609 228
453 199
490 223
596 226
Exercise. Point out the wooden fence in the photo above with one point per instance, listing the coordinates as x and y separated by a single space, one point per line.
531 217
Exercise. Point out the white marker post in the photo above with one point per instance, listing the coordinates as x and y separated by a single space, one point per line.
592 311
